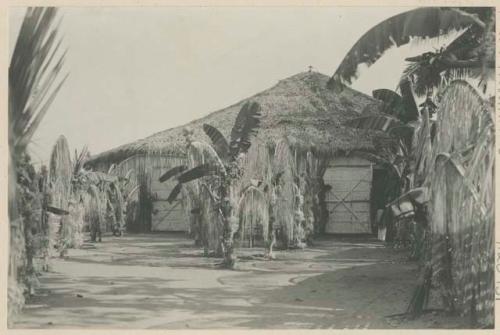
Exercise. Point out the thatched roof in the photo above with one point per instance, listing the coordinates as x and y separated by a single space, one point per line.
300 107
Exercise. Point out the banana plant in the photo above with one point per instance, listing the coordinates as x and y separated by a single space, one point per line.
400 119
225 169
473 49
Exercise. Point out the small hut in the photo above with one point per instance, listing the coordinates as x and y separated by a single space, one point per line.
301 131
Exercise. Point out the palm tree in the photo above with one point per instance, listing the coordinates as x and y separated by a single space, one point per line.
226 169
34 81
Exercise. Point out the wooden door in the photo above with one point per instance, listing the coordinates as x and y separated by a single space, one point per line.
348 200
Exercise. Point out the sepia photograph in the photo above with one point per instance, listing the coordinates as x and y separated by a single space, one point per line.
251 167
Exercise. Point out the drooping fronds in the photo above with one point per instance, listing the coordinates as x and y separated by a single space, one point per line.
253 214
398 30
285 190
460 180
469 55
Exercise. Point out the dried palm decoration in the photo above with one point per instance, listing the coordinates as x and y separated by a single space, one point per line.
286 191
460 178
60 179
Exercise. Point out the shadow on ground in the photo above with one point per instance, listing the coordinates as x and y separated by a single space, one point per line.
162 281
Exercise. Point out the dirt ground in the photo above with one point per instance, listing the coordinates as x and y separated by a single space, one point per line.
163 281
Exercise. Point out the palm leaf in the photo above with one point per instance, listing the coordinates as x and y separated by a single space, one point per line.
174 193
409 106
34 78
468 55
219 143
172 172
392 101
245 126
197 172
398 30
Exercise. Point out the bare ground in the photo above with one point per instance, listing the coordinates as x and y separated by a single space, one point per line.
163 281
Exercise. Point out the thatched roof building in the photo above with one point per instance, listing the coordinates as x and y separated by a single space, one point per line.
300 107
301 123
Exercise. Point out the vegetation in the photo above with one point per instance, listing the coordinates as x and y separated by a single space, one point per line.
34 80
441 160
452 160
224 165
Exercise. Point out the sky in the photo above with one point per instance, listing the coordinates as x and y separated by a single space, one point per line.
134 71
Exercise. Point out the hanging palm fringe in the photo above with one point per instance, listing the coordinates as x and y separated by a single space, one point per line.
94 212
145 202
254 217
205 220
285 193
292 180
310 169
461 216
254 196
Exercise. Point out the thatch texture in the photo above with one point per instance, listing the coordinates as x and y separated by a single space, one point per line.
60 230
462 204
300 107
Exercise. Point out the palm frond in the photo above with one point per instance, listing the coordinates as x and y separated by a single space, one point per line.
245 126
219 142
174 193
401 106
200 171
34 74
398 30
392 100
470 55
409 106
172 172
